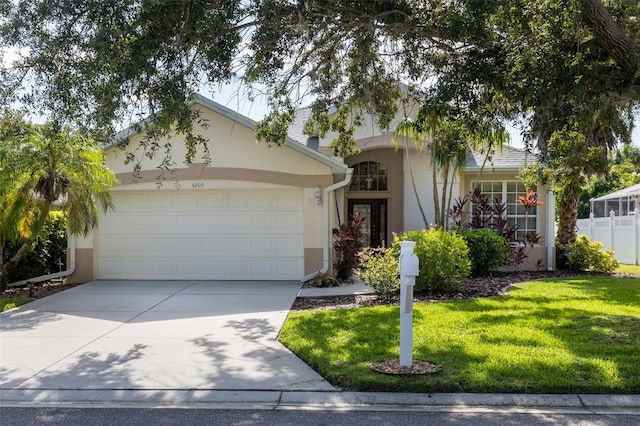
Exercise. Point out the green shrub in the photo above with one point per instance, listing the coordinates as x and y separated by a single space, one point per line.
443 256
487 250
379 270
46 254
585 255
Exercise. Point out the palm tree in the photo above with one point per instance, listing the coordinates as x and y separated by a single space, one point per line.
448 136
50 165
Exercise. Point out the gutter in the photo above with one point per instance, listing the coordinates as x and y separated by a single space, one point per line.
325 225
72 267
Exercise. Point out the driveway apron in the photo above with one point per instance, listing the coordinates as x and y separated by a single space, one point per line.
182 335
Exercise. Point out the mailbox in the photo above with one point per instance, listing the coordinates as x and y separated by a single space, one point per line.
409 265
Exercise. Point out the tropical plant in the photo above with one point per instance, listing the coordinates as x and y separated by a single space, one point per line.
348 240
547 63
492 215
47 255
51 165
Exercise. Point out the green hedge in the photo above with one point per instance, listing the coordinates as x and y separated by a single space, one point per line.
487 250
443 256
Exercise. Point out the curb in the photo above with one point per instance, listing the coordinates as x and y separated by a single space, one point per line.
329 401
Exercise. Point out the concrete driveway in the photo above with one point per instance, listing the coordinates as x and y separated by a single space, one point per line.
154 335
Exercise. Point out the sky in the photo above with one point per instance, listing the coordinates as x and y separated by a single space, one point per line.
233 96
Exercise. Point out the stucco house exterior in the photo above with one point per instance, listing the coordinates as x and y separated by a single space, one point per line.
266 213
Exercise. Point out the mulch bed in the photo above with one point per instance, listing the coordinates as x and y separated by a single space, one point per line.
39 290
472 288
393 367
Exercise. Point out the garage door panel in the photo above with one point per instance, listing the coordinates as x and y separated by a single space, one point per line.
186 245
213 234
237 201
238 222
162 246
288 246
289 222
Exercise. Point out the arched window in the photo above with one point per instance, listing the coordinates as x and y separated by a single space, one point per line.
369 176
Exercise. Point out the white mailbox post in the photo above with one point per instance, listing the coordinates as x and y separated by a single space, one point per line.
408 272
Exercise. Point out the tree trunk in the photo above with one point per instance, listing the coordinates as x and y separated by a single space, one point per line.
436 200
442 214
568 217
609 35
415 189
3 281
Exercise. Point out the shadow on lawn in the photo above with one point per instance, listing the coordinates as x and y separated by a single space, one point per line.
590 350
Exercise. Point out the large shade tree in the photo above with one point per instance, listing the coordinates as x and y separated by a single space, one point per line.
48 165
558 65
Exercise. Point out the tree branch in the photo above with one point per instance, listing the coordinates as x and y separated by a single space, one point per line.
609 35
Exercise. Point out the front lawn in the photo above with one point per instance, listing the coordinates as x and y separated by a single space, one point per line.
629 269
6 304
555 336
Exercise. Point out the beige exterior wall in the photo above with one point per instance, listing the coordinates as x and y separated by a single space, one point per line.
231 144
370 128
238 162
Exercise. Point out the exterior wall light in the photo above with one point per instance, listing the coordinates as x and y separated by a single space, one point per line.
316 195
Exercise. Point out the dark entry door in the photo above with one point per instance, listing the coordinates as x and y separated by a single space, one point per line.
375 214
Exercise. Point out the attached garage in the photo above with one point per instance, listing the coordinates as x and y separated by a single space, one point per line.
203 235
249 211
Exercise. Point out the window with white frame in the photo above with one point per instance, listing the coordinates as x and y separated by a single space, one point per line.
508 193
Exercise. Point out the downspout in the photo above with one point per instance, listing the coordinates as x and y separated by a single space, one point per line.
551 227
72 267
325 225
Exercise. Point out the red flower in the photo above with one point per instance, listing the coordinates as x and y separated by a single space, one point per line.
530 200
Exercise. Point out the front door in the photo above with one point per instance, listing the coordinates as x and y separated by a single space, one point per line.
375 223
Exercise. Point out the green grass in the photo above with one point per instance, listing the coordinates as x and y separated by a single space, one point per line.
557 336
6 304
629 269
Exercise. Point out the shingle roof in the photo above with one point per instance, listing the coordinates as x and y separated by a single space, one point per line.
295 130
509 158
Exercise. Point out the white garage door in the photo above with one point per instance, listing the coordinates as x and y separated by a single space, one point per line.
203 234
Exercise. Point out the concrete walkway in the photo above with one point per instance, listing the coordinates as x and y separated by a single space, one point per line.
154 335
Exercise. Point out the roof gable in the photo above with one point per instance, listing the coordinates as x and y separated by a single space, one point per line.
336 166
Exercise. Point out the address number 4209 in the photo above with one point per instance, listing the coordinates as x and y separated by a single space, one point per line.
197 185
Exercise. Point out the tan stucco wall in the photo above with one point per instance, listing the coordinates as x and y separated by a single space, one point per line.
84 267
371 129
232 145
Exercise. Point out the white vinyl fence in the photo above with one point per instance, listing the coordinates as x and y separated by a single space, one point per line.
619 233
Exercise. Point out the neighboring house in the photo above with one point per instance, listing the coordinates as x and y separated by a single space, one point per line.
266 213
615 222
